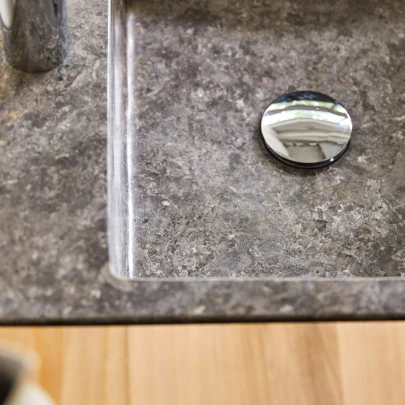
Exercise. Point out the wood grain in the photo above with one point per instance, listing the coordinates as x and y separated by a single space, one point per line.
247 364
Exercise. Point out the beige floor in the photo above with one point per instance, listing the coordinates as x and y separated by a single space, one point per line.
303 363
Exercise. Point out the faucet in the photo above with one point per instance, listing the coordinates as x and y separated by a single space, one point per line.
35 35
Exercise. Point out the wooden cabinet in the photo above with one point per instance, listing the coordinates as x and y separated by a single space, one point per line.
251 364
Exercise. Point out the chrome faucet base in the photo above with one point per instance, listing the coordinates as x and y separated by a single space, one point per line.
35 33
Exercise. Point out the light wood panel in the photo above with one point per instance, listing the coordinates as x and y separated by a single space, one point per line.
247 364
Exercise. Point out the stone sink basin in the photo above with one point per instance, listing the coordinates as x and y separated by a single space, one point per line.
194 194
203 224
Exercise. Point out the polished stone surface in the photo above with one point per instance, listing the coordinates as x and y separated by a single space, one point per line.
53 131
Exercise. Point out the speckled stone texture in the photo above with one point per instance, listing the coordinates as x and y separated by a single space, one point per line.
53 251
206 199
53 169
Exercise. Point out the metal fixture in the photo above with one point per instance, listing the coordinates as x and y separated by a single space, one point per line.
34 33
306 129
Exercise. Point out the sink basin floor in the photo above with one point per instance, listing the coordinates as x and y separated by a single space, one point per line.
193 191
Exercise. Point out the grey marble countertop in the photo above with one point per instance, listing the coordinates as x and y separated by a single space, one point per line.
53 246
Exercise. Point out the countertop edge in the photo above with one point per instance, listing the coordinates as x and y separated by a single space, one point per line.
220 301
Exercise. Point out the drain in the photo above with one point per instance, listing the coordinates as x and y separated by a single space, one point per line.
306 129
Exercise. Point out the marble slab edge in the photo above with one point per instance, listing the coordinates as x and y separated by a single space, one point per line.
139 302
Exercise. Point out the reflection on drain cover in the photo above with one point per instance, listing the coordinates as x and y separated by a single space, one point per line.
306 129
